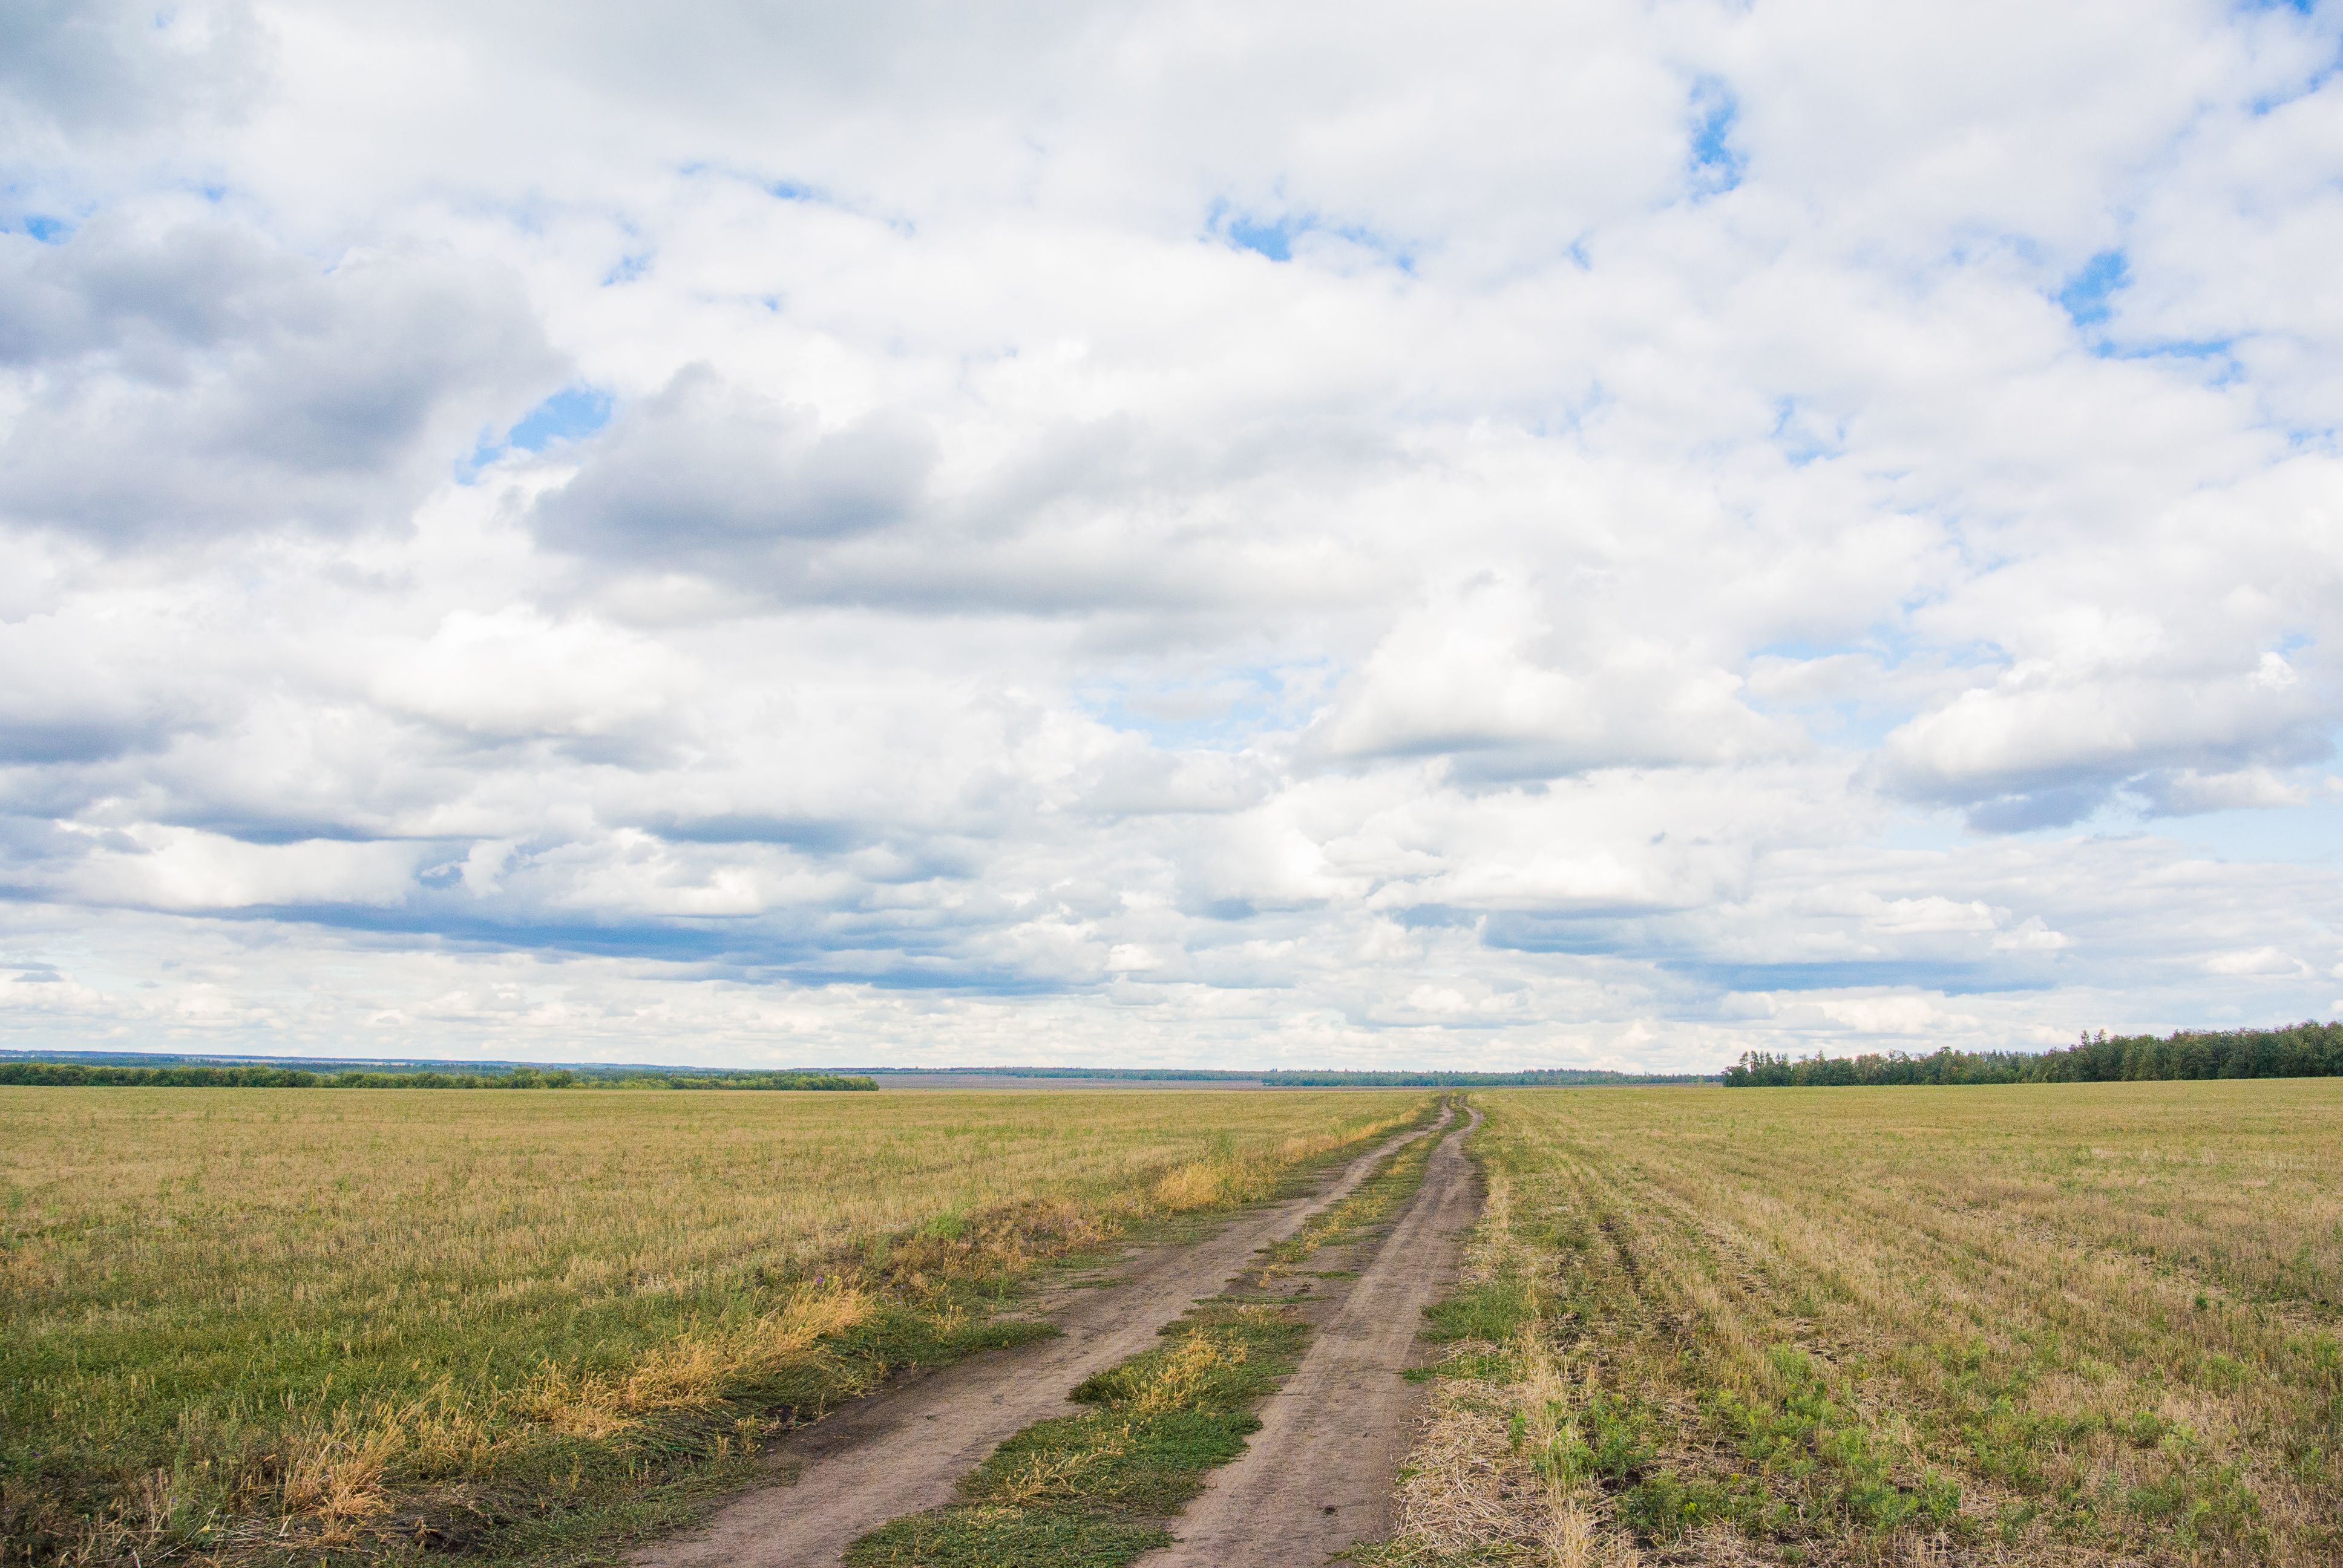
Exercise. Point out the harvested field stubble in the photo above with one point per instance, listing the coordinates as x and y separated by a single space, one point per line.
2053 1324
262 1320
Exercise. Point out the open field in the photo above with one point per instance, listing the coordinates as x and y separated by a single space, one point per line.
2044 1324
2039 1324
244 1321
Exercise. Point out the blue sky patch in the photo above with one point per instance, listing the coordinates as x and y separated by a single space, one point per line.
2185 349
47 230
1273 240
2085 296
1715 166
2217 357
2308 835
1275 237
1223 712
1801 435
1954 979
571 414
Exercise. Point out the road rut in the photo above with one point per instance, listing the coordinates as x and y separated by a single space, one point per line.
1318 1477
901 1451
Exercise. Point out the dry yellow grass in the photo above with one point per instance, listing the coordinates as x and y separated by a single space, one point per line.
2071 1324
225 1309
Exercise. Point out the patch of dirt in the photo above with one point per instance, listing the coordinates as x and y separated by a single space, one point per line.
1318 1477
902 1450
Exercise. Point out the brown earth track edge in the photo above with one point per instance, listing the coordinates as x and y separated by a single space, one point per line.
902 1450
1318 1478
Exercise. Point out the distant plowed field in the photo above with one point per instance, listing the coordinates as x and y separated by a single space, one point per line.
2086 1324
241 1321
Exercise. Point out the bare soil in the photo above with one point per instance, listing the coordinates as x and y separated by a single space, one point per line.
1318 1477
902 1450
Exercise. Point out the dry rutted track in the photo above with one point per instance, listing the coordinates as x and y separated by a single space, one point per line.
1317 1478
902 1450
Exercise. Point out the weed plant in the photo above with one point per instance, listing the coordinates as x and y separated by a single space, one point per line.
1885 1325
256 1321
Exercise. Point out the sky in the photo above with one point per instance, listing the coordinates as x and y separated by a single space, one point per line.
1481 535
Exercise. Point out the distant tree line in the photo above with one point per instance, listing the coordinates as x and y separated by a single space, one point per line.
1550 1077
2307 1049
730 1081
74 1074
1134 1074
1317 1078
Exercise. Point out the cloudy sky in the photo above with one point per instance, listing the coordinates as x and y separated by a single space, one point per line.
1602 534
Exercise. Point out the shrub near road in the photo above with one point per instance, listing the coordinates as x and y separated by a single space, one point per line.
243 1319
2001 1325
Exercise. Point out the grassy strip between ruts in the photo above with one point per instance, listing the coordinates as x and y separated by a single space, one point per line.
556 1460
1098 1490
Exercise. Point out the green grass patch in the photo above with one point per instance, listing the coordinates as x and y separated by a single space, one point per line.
1486 1366
1494 1311
1809 1443
997 1535
1665 1507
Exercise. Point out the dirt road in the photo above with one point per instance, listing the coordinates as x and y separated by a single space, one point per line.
1319 1474
901 1451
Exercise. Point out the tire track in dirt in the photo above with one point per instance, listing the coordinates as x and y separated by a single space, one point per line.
1318 1476
903 1449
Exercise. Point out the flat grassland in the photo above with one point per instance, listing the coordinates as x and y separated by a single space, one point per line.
2037 1324
375 1321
